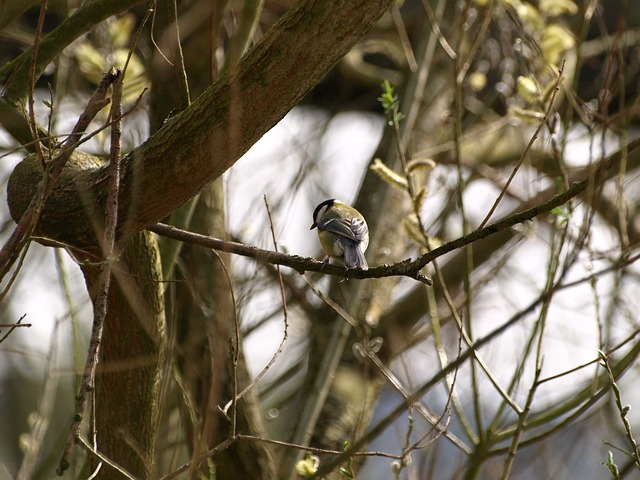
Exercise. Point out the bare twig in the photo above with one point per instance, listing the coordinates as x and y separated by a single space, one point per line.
104 275
235 350
300 264
411 269
285 335
43 414
318 450
15 273
526 151
13 326
624 342
412 401
33 126
433 21
331 304
623 410
590 177
202 457
29 218
446 410
122 471
181 72
404 37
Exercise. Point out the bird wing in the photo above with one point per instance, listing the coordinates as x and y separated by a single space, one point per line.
354 229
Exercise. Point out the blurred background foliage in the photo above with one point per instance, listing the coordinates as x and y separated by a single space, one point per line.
553 302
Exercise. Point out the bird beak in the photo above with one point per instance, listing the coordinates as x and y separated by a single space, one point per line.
314 225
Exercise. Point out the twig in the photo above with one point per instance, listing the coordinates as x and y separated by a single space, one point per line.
104 459
33 126
395 382
285 336
522 419
235 350
43 415
202 457
104 275
296 262
29 218
318 450
407 268
13 326
15 273
526 151
591 176
331 304
629 338
623 410
433 21
445 410
404 37
180 70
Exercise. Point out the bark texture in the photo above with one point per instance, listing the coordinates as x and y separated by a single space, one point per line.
227 119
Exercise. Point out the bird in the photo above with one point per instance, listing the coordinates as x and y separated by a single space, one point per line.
343 233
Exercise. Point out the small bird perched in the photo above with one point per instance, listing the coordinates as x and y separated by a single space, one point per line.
343 233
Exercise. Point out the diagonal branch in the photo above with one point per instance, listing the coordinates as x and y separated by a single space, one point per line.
104 280
174 164
589 179
30 216
407 268
296 262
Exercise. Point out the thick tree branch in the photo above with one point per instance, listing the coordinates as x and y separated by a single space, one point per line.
53 169
174 164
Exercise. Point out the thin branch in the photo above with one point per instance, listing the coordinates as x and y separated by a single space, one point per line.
395 382
296 262
433 21
591 362
623 410
285 336
30 217
331 304
201 458
104 459
409 268
43 415
589 176
15 273
318 450
33 126
526 151
404 37
13 326
181 72
235 350
108 248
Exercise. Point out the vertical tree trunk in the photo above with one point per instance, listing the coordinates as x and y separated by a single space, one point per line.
131 359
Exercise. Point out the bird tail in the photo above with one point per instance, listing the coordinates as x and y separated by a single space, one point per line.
354 257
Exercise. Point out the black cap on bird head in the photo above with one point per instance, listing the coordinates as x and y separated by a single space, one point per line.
322 207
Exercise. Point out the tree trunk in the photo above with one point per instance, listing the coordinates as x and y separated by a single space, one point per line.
131 359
